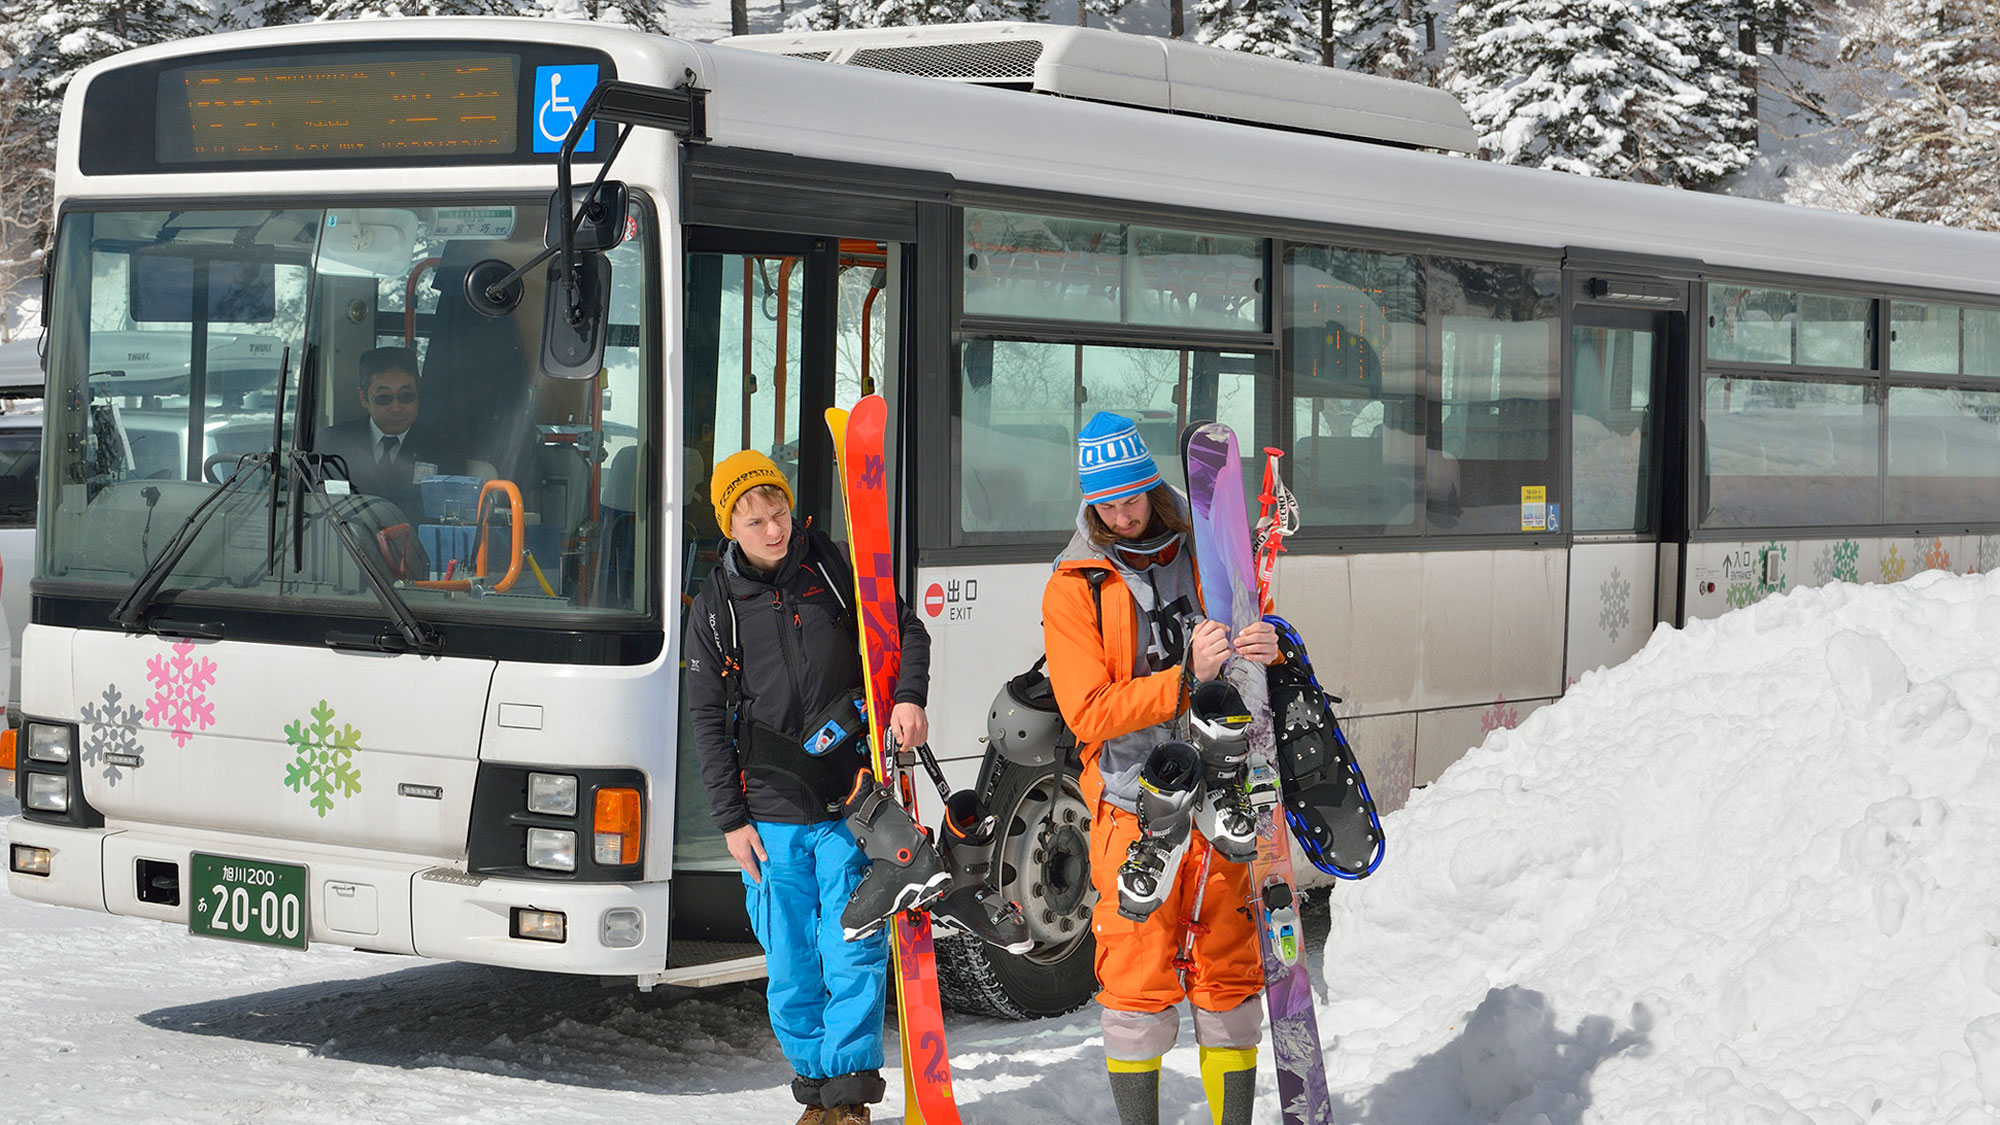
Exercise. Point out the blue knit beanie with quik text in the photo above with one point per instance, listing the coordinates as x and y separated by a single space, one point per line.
1112 461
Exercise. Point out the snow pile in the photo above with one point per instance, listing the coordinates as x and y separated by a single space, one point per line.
1743 877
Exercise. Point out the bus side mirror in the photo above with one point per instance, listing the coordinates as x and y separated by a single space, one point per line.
597 212
573 331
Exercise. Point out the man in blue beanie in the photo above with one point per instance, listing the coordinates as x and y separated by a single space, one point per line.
1167 833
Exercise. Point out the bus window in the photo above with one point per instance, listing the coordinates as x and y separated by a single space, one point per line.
1784 453
1021 405
1747 324
1611 419
1354 329
1944 454
1496 432
1050 267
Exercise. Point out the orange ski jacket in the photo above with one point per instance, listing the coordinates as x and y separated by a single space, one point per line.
1091 669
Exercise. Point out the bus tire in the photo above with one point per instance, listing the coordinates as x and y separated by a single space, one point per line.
1043 863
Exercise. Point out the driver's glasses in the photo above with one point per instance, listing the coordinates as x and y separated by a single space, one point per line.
387 399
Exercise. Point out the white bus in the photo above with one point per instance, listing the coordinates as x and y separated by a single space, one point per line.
1528 416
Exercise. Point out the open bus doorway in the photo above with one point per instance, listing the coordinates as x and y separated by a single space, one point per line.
778 329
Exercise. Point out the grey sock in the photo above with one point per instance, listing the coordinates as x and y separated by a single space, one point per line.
1239 1093
1136 1093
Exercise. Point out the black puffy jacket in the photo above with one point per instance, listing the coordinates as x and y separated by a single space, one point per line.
798 639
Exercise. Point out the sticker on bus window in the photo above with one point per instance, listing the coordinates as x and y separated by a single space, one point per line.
473 222
1534 508
560 92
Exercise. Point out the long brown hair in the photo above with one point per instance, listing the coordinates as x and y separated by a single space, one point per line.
1166 516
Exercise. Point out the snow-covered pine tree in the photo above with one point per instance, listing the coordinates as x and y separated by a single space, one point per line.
1385 37
43 43
48 41
1929 138
1611 88
1278 29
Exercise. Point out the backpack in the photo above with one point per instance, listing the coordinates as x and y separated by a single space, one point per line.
1024 727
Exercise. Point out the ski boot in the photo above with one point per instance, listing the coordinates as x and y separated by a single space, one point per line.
1169 790
1222 730
906 872
973 905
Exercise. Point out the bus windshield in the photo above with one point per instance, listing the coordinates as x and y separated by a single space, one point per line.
326 365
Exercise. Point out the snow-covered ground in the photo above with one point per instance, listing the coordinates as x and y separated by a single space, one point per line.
1742 878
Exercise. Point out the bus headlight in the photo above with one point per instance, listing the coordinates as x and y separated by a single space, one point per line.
30 860
551 849
552 794
48 742
48 792
541 925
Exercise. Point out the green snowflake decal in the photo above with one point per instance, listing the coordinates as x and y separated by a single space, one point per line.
325 762
1740 594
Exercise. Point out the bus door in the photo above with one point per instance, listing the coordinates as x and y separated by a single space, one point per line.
1624 336
778 327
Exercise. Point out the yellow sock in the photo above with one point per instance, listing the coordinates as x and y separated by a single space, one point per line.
1229 1077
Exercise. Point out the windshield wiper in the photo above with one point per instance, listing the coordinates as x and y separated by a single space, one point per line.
417 633
306 478
131 609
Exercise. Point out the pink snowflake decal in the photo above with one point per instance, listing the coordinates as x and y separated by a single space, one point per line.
179 701
1499 716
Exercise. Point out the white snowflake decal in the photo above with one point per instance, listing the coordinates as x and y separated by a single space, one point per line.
180 700
111 736
1614 612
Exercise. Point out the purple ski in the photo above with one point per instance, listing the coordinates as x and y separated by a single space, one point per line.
1229 594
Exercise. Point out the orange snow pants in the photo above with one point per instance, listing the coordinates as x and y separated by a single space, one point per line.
1135 960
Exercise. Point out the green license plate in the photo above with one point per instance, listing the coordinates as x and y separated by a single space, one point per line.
247 900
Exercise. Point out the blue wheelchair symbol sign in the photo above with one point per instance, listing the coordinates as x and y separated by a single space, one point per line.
560 92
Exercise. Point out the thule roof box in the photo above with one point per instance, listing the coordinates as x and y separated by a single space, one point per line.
1147 73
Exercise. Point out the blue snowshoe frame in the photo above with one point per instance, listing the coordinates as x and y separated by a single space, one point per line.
1294 648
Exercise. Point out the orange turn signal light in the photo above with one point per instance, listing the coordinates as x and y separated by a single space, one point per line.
615 823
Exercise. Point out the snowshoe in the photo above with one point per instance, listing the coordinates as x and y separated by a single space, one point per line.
1169 790
973 905
1225 815
906 872
1327 803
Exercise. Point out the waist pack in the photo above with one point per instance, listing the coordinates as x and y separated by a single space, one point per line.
824 760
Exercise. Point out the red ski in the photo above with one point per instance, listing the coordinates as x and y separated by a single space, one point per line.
858 441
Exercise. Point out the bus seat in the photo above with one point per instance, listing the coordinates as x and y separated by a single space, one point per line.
618 503
475 375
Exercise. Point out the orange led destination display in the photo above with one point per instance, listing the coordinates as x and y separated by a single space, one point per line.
380 108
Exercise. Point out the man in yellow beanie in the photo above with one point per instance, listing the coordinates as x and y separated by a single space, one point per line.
773 680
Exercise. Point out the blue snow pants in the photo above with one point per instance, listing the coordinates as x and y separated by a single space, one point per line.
825 994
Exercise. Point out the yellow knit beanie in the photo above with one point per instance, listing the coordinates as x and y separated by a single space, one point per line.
738 474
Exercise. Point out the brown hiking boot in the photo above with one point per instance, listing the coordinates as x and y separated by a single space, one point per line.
847 1115
815 1115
